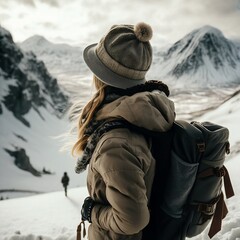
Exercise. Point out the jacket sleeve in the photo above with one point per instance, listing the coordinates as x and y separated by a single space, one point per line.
122 172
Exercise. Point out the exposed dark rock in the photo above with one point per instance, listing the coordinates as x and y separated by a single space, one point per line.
30 86
22 161
9 53
17 100
20 137
192 63
44 171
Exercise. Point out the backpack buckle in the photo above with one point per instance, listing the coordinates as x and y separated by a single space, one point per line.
201 147
219 172
207 209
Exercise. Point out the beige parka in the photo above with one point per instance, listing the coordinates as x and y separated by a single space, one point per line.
121 170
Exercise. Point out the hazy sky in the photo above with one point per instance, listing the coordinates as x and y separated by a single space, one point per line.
85 21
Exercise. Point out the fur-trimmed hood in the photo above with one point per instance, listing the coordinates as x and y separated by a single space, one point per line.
153 111
145 106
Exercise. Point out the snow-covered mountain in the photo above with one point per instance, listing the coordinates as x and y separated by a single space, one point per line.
32 107
59 58
26 83
65 62
204 58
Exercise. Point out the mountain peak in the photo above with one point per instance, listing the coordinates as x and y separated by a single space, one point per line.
197 39
206 33
207 29
204 54
37 40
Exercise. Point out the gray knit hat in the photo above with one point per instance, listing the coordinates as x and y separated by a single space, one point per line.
123 56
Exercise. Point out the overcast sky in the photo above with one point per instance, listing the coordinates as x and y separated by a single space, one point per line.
85 21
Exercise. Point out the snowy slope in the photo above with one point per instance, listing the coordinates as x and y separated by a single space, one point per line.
54 217
228 114
50 216
43 150
203 58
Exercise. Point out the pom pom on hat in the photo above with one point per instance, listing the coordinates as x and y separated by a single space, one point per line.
143 32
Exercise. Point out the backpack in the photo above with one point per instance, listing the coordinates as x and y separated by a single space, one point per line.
187 189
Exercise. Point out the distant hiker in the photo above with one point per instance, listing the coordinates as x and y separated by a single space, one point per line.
121 166
65 181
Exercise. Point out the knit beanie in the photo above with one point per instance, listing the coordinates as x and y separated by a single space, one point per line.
123 56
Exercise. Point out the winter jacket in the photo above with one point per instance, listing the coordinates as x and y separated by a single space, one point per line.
121 170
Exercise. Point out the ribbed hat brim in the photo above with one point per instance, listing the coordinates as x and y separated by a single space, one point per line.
104 73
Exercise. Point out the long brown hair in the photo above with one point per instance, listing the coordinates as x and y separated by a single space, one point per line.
86 116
